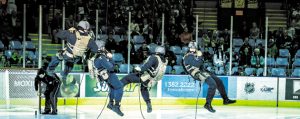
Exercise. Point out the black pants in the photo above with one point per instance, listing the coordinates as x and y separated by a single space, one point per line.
215 83
134 78
51 96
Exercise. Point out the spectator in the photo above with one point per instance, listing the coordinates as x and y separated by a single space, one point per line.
3 60
110 45
182 27
244 30
285 42
272 48
254 31
15 58
70 22
207 56
219 60
257 60
206 40
244 46
146 28
245 58
143 52
55 26
171 58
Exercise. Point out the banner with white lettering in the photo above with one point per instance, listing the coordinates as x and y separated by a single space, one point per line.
21 85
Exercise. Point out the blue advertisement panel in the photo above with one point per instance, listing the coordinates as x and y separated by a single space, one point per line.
179 86
217 94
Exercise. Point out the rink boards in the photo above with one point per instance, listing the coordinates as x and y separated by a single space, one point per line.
181 88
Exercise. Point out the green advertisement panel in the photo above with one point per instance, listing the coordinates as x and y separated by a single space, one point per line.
100 89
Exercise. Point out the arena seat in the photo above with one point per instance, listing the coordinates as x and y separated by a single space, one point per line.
123 68
280 72
249 71
15 45
8 53
185 49
152 47
252 43
137 39
282 62
284 53
259 72
168 70
237 42
260 41
234 70
118 57
270 62
297 55
1 45
137 47
29 45
296 72
296 63
179 69
176 50
179 59
117 38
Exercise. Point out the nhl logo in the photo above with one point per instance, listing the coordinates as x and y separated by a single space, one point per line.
249 88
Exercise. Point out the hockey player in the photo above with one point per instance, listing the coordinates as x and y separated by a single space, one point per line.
194 64
52 88
101 66
79 41
148 75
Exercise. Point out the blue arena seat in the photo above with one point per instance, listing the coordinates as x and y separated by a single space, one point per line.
117 38
280 72
185 49
252 43
137 39
168 69
259 72
179 59
118 57
260 41
237 42
297 55
8 53
282 62
284 53
29 45
31 55
270 62
15 45
103 37
176 50
179 69
1 45
152 47
123 68
296 72
234 70
296 63
249 71
137 46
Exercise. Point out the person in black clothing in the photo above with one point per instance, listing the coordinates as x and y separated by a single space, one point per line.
52 88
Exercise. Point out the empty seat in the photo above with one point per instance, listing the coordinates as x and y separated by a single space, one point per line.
296 62
178 69
270 62
238 42
103 37
296 72
179 59
234 70
118 57
29 45
259 72
252 42
138 39
152 47
176 50
284 53
211 50
168 69
15 45
249 71
282 62
1 45
185 49
297 55
280 72
260 41
117 38
124 67
8 53
137 46
31 55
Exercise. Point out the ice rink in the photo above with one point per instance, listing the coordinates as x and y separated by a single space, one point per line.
159 112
